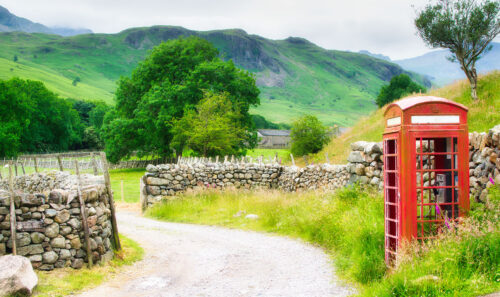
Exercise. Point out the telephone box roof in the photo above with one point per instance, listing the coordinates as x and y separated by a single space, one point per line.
409 102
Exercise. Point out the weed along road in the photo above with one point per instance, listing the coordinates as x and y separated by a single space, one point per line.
194 260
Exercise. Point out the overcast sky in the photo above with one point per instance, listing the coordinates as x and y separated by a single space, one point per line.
380 26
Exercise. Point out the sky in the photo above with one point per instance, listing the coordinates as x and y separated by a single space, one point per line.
379 26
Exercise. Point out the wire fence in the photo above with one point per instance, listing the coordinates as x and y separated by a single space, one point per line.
25 165
88 162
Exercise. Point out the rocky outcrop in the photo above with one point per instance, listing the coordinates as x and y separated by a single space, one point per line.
49 222
16 276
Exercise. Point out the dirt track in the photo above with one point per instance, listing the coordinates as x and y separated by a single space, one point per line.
192 260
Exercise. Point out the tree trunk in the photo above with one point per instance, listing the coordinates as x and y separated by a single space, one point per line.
471 76
473 83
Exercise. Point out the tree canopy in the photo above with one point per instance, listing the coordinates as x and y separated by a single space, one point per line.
465 27
172 79
211 129
399 86
308 135
33 119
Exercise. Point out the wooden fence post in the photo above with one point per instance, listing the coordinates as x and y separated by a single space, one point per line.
123 195
22 167
306 160
293 160
60 163
13 223
326 158
83 211
36 164
15 167
107 181
94 164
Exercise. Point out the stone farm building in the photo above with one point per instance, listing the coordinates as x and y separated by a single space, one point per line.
272 138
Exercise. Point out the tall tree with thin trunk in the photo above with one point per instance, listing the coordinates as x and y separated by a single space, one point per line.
465 27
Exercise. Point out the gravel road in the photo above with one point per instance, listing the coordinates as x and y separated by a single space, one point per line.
191 260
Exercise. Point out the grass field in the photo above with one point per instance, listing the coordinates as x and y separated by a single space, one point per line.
283 154
53 81
350 226
131 183
68 281
483 115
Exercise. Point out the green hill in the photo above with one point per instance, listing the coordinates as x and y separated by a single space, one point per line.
482 115
294 75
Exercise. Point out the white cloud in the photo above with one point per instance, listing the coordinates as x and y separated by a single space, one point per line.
380 26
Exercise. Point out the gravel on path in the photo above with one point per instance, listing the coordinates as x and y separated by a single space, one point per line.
192 260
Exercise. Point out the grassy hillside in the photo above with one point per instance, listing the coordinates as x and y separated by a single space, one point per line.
55 82
483 115
294 75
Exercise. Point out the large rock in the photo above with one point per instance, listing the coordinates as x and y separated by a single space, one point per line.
373 147
358 146
52 230
356 157
62 216
16 276
50 257
58 242
154 181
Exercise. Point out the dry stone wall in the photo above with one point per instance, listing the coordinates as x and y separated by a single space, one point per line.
365 166
165 181
484 162
49 223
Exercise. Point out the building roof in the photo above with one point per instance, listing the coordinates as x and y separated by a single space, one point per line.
274 132
409 102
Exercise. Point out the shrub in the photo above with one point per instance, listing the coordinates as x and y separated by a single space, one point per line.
308 135
399 86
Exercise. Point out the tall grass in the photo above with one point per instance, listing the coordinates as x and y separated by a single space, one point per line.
464 261
349 224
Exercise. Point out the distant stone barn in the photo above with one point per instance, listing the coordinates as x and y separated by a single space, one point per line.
271 138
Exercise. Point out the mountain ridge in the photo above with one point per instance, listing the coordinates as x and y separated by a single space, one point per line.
295 76
10 22
436 65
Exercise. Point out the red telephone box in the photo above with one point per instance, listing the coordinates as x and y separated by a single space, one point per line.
426 169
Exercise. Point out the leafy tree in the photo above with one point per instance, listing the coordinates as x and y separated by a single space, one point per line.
170 80
91 115
76 81
465 27
212 128
91 138
33 119
15 58
83 108
308 135
96 115
399 86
